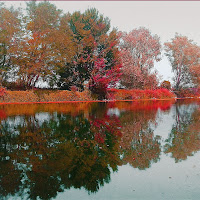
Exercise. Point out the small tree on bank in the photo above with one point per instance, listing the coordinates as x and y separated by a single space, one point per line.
166 84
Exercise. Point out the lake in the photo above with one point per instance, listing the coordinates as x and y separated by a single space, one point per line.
146 150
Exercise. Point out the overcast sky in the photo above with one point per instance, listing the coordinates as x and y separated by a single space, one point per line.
163 18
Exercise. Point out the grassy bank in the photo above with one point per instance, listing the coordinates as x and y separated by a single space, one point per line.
65 95
44 96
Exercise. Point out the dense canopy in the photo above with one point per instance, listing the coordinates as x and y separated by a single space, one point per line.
44 45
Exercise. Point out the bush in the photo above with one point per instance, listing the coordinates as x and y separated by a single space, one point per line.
123 94
2 92
166 85
189 92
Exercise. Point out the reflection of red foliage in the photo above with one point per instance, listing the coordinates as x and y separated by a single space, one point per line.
2 114
166 106
100 138
143 105
102 127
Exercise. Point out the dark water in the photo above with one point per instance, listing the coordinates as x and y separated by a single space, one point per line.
120 151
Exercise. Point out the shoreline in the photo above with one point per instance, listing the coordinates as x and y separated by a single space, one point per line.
98 101
65 96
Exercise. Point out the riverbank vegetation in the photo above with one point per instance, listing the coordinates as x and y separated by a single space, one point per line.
48 55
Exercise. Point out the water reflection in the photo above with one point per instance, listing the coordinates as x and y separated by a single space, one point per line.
62 151
47 148
140 146
184 139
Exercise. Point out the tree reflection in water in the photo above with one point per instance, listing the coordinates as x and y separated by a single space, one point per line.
46 149
63 151
140 146
184 139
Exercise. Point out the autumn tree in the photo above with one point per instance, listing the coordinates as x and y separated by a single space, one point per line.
195 69
42 21
59 48
139 50
184 56
93 40
9 28
45 47
183 140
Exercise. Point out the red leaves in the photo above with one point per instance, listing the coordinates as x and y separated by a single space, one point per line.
184 56
102 76
104 127
2 114
100 138
2 92
139 50
123 94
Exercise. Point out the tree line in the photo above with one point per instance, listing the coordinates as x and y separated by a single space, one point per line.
80 50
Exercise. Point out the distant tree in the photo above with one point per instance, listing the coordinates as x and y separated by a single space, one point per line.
184 56
139 50
166 84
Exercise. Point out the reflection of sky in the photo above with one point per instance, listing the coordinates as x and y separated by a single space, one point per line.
113 111
165 123
164 180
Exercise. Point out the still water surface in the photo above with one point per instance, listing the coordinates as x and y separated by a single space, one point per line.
101 151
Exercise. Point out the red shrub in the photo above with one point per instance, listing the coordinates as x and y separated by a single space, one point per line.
123 94
2 92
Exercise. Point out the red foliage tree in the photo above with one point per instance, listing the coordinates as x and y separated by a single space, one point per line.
102 77
139 50
184 56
